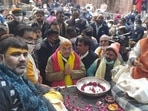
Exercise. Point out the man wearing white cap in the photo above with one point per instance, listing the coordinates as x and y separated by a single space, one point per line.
103 44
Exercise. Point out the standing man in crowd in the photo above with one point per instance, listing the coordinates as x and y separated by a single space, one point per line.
62 25
87 55
40 22
99 27
48 46
18 20
76 21
29 36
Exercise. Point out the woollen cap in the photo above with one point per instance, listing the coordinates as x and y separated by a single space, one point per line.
115 46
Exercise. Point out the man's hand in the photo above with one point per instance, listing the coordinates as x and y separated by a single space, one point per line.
137 63
67 69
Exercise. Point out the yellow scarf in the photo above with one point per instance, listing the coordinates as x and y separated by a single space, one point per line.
70 61
102 67
100 51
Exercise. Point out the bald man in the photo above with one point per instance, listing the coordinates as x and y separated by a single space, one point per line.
64 67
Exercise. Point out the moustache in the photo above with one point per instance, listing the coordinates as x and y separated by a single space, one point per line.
22 65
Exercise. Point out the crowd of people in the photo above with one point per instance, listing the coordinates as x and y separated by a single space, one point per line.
58 50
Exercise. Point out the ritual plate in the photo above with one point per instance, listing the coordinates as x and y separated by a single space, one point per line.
93 86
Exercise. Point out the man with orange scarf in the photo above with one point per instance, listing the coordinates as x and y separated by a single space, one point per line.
138 57
64 67
133 78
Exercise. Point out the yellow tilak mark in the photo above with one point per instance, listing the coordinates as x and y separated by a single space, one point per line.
12 50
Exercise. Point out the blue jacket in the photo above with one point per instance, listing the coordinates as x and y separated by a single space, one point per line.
102 30
137 34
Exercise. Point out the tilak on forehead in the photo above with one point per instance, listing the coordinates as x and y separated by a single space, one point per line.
66 44
12 50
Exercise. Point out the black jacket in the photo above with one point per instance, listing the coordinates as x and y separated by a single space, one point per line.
89 59
79 24
43 54
44 28
14 26
137 34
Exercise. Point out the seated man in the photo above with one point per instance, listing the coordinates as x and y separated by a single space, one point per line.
102 67
86 53
133 80
64 67
16 92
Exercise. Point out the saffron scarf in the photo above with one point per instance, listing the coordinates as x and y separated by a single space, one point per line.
102 68
31 72
58 64
30 98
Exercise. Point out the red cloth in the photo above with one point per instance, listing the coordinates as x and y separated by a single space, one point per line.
56 64
139 5
56 68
